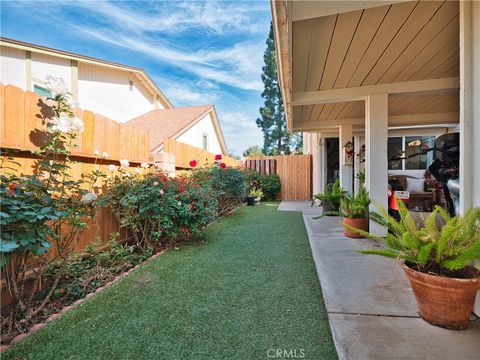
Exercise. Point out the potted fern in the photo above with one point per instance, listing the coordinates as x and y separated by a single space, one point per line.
330 199
437 259
354 209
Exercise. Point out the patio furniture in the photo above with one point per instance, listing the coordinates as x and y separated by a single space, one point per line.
421 198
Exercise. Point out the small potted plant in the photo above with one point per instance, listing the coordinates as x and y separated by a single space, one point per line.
354 209
437 259
330 199
251 196
257 194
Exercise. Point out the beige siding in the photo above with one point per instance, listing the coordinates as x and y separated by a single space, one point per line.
12 67
108 92
44 65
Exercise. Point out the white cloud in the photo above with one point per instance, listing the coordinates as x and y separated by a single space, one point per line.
238 66
187 92
180 16
240 130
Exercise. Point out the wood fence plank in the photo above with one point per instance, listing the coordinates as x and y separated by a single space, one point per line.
14 116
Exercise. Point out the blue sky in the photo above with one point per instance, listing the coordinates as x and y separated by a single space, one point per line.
197 52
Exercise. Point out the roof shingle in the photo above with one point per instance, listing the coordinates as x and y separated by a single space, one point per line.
165 123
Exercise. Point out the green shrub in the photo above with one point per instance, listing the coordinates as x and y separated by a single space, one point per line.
270 185
229 184
157 208
252 179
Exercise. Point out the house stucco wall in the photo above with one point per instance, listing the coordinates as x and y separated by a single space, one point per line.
100 89
193 136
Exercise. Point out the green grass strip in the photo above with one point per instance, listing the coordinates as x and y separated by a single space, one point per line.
249 288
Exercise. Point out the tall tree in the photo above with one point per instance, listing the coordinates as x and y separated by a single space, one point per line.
276 137
254 150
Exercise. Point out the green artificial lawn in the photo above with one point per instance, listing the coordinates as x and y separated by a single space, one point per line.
250 287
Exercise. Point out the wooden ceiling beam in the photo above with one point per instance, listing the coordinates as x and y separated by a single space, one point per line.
410 88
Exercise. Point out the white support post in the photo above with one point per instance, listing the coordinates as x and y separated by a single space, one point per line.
317 163
470 110
356 163
346 170
376 138
323 162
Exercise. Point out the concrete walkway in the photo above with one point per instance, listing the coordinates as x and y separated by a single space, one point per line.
371 307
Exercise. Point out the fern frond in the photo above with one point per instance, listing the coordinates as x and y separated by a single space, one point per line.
464 259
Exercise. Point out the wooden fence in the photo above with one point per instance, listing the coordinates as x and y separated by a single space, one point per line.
295 173
22 127
184 153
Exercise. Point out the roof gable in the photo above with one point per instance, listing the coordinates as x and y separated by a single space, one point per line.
170 123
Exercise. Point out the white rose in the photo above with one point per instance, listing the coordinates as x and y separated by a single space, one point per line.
55 85
155 183
112 168
124 163
162 192
88 198
179 203
61 123
77 124
105 155
138 170
145 165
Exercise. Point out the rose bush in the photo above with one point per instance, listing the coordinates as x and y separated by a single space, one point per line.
43 210
158 209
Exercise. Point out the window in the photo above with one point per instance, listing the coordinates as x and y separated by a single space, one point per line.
130 85
41 91
395 148
205 142
413 145
408 146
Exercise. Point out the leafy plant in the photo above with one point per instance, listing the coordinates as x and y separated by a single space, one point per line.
443 245
48 209
157 208
270 185
332 195
355 206
256 193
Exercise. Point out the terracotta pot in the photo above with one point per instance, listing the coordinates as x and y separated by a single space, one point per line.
443 301
358 223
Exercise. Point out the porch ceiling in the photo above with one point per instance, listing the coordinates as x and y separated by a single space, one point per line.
371 46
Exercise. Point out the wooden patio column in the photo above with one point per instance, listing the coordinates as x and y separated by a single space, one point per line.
376 139
346 171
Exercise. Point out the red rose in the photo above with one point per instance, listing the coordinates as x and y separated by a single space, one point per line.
62 291
12 186
223 165
218 157
193 163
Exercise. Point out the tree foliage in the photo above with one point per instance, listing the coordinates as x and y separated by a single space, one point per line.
276 137
254 150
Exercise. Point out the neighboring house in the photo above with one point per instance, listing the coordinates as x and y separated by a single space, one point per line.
117 91
195 125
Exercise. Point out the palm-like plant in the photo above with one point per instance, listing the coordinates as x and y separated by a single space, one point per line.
436 248
355 206
332 195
